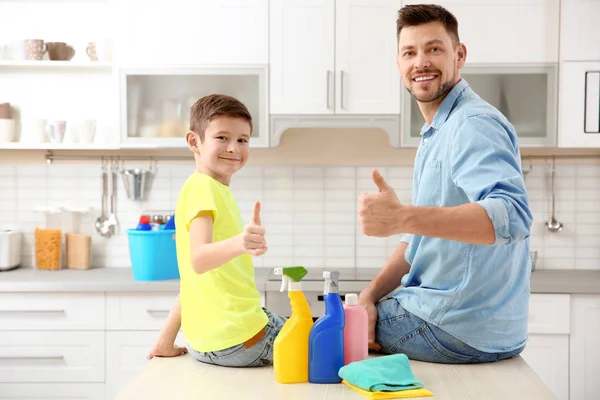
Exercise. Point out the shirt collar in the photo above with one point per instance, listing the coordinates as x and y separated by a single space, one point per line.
447 104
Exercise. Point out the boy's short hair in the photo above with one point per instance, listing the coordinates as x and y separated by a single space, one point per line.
418 14
213 106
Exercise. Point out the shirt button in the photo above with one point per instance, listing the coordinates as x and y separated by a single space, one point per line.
426 140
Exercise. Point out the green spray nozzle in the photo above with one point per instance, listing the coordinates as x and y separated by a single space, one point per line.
290 274
332 279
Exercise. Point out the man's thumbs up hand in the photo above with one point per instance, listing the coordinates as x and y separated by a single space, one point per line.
378 212
253 237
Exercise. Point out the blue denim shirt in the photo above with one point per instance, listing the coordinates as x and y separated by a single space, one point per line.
477 293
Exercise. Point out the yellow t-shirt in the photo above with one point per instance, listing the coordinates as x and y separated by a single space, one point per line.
221 307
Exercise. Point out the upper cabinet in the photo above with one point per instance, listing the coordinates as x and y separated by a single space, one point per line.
579 30
579 104
501 31
333 57
215 32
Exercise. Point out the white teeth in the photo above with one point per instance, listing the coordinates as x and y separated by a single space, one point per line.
424 78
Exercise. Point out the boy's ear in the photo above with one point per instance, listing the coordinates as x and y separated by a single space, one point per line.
193 141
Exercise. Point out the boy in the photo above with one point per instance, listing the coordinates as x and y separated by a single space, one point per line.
218 307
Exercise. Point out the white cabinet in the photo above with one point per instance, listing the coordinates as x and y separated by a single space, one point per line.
548 356
585 348
126 355
579 30
333 57
49 391
209 32
547 350
579 105
484 28
138 311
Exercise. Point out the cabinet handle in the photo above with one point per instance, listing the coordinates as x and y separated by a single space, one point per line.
591 108
33 311
153 312
33 358
342 89
328 79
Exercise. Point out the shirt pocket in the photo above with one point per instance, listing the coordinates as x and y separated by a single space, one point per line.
430 184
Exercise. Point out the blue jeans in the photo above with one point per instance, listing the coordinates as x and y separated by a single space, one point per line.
399 331
258 355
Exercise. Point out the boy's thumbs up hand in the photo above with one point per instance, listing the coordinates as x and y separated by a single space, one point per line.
253 237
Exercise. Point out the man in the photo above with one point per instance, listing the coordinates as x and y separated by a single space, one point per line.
463 263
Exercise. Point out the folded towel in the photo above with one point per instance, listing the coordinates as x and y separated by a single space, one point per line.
399 394
381 374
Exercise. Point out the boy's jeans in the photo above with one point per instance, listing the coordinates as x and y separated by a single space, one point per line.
258 355
399 331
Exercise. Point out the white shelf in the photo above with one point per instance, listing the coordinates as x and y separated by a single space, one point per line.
44 64
58 146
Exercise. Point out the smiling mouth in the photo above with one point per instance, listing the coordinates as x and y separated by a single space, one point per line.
230 159
424 78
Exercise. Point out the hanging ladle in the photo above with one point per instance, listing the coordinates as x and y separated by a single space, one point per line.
552 224
102 222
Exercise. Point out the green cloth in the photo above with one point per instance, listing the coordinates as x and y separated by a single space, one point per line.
381 374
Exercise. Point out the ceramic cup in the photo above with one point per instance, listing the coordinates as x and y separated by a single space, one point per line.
33 130
55 129
7 130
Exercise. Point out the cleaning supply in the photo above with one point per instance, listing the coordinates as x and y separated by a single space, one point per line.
356 330
290 349
385 373
399 394
144 224
326 341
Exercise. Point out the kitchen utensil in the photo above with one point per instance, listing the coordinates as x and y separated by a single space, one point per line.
10 250
138 182
533 257
112 218
102 224
552 224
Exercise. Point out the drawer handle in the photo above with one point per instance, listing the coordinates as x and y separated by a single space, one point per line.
30 358
33 311
154 312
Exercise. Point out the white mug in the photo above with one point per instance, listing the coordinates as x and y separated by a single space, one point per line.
33 130
82 131
7 130
15 51
55 129
99 50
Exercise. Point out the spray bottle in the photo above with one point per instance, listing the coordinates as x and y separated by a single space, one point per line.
326 342
290 349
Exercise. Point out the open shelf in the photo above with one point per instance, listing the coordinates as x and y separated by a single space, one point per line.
45 64
58 146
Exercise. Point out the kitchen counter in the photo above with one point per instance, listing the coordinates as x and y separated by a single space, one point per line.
352 280
185 378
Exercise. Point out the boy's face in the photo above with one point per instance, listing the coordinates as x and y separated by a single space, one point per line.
225 147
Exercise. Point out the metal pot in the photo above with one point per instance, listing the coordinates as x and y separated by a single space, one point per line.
137 183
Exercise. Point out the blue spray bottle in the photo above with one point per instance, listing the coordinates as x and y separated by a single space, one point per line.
326 340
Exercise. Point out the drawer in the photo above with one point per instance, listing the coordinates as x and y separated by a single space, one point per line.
51 311
549 313
138 311
49 391
51 356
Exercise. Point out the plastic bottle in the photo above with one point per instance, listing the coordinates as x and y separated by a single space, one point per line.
144 224
326 341
290 349
356 330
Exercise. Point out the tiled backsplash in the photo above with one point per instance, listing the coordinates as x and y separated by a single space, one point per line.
310 213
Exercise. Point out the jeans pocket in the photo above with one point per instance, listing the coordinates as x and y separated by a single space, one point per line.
451 355
228 352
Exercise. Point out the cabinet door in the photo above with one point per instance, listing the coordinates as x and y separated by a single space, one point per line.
216 32
585 348
579 105
47 391
548 356
302 56
483 28
126 355
579 30
367 78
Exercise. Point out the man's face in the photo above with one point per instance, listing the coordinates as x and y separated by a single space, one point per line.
428 61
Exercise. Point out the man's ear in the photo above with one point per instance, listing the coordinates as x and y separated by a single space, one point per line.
462 55
193 141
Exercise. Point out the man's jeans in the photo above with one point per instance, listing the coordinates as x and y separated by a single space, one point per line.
399 331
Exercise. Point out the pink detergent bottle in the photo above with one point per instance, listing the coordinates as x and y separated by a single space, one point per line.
356 330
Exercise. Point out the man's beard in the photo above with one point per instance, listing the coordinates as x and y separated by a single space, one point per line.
442 91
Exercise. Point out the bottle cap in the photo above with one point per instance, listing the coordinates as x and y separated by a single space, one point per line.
144 219
351 299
